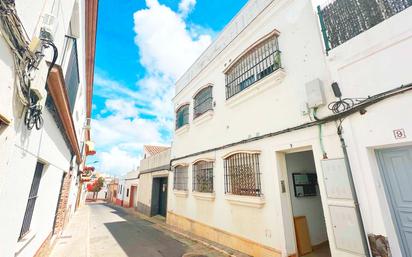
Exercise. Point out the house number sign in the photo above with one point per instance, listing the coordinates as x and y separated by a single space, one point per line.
399 133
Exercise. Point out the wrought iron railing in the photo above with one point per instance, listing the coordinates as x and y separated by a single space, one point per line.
203 177
180 180
203 102
31 202
242 176
72 76
182 116
342 20
256 64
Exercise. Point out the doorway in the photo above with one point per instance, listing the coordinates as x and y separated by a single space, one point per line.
395 165
306 202
159 196
132 196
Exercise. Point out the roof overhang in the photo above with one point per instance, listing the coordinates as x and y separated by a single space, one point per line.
91 28
57 89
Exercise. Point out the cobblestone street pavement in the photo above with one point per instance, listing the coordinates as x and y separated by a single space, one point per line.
100 230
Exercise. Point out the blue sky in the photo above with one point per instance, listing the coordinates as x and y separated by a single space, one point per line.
142 48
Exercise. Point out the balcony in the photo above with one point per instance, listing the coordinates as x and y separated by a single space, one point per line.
342 20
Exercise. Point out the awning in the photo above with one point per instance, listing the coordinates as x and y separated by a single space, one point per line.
90 148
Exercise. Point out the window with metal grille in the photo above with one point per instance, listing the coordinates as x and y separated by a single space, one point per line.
31 202
203 102
72 78
182 116
256 64
180 178
242 176
203 177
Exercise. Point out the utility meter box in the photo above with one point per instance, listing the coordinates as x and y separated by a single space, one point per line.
315 95
38 84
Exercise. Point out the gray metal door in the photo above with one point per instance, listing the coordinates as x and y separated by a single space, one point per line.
396 168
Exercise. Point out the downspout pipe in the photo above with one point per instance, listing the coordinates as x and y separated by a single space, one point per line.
354 194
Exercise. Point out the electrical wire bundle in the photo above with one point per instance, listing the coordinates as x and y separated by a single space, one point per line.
344 104
26 62
18 41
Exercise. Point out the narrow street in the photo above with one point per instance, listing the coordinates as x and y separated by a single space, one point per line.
98 229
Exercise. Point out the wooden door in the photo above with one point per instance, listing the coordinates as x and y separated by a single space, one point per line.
302 235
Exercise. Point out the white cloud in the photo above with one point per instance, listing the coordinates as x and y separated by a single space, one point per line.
165 43
121 135
167 47
120 127
123 108
186 6
117 161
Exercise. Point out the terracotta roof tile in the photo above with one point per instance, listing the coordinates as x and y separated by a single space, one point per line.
154 149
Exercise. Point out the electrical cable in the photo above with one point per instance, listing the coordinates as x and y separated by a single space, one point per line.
335 117
26 62
34 111
16 37
344 104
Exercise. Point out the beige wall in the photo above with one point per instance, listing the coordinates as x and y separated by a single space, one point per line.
144 201
155 161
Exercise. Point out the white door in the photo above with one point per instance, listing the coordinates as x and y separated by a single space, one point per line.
396 168
346 228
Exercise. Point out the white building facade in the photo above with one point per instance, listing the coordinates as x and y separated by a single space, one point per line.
262 165
131 187
41 161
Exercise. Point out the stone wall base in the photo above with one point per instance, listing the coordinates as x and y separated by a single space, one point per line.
221 237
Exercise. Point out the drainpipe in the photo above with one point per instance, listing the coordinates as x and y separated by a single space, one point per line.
355 196
323 29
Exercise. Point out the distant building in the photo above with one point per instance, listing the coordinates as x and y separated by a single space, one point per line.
121 188
153 182
131 185
45 110
262 165
112 188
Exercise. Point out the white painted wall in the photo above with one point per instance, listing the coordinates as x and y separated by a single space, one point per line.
121 188
145 189
20 149
274 107
375 61
370 63
131 180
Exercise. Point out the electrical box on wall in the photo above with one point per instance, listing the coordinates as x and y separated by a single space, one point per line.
315 96
38 83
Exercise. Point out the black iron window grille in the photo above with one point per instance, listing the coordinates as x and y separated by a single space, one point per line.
180 178
242 176
182 116
72 77
31 202
203 177
342 20
203 102
256 64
